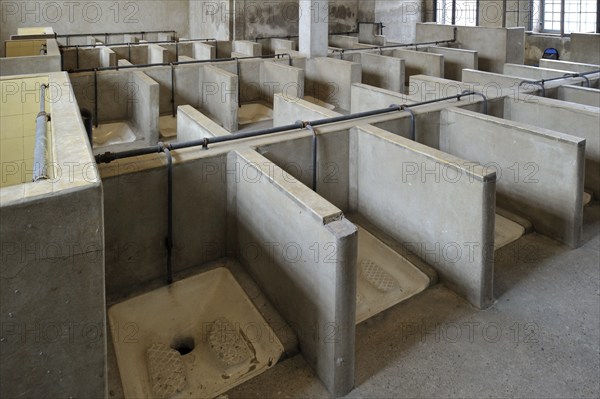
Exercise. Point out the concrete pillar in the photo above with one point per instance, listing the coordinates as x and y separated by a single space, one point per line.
313 27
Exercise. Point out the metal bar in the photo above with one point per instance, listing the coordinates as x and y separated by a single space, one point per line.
109 157
96 98
39 152
77 56
112 68
413 124
453 20
239 83
173 108
314 156
114 33
169 238
140 43
394 46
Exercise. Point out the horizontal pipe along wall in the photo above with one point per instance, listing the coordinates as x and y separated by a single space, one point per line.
528 162
316 295
574 119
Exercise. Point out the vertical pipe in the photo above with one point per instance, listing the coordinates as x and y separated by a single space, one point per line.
169 238
413 124
314 157
239 82
77 55
453 21
562 17
173 109
39 154
176 51
96 97
129 52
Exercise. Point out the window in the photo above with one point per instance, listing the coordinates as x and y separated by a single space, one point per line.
457 12
566 16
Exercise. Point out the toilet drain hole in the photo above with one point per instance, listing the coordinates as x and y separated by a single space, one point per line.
184 345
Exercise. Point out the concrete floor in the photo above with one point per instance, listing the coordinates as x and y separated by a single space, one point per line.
540 339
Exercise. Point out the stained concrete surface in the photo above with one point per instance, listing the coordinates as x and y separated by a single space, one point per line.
547 311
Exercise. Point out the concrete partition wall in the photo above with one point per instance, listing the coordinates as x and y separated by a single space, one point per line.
159 55
267 208
573 119
420 62
219 92
135 230
143 107
89 57
585 47
115 89
246 47
288 110
436 205
341 41
203 51
488 80
425 88
188 85
531 72
495 46
579 95
330 80
568 65
539 171
136 54
282 44
193 125
368 98
276 77
381 71
455 60
108 57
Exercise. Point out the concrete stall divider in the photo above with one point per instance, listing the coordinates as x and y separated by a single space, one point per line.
381 71
245 48
143 107
568 65
529 161
318 299
573 119
219 96
203 51
494 46
387 170
287 110
193 125
419 63
579 95
330 80
108 57
158 55
455 60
